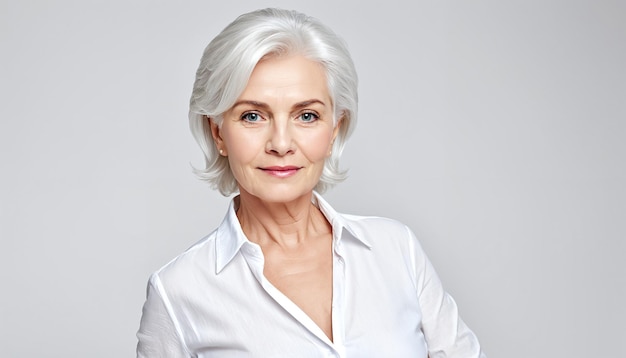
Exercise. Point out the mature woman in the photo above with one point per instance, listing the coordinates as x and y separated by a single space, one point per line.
285 275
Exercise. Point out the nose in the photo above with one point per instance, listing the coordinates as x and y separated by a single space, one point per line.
280 141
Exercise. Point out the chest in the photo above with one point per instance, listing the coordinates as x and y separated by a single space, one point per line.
306 279
374 313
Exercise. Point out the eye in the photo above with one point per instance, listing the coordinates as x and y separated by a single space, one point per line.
251 117
309 117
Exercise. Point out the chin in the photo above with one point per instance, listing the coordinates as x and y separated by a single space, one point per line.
279 194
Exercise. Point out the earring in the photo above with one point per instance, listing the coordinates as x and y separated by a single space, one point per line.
222 151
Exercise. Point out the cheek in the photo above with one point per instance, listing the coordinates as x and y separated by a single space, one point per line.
316 145
242 148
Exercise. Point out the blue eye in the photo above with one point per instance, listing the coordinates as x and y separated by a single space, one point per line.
251 117
309 117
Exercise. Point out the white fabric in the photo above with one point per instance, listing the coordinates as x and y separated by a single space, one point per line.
213 300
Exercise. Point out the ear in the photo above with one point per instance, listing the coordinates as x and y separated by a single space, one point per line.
217 136
335 134
337 127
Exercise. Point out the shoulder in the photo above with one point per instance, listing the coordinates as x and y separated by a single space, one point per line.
383 235
360 225
393 247
186 266
376 226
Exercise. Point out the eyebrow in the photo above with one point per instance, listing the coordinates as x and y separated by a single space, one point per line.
266 106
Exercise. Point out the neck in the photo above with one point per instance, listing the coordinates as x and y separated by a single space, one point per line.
285 224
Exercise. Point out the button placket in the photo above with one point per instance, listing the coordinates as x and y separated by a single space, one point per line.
338 304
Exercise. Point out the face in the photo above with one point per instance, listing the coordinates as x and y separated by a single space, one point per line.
280 130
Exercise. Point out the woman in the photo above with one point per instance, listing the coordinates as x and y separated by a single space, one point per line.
285 275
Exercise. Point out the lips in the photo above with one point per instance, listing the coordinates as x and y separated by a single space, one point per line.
281 171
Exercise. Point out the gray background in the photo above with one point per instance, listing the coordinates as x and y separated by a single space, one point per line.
495 129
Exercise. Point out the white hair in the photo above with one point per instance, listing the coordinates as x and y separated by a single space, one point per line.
228 62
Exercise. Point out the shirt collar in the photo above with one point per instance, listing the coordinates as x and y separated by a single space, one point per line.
230 237
341 226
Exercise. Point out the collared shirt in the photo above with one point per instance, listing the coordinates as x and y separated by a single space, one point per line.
214 301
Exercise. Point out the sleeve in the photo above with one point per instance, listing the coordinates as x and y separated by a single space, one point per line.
446 334
158 335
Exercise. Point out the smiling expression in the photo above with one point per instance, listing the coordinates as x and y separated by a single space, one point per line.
280 130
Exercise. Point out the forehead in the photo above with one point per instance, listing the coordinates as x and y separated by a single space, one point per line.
288 77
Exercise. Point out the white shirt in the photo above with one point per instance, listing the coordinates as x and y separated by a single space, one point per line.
214 301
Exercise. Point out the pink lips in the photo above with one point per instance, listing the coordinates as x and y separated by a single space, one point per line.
281 172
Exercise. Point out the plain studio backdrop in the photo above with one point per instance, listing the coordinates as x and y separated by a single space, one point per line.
495 129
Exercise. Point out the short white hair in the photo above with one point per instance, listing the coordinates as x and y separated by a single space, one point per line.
227 64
